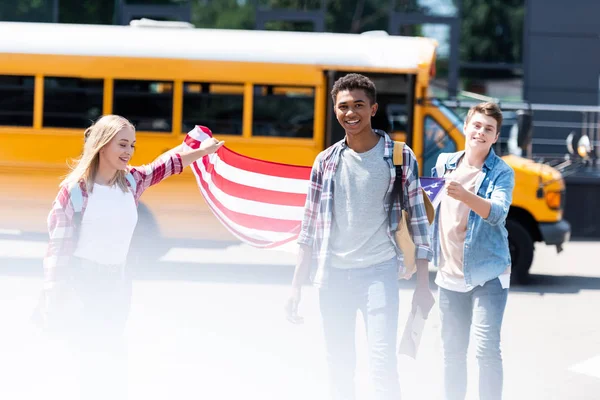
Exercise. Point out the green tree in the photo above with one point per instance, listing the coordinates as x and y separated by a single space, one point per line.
26 10
357 16
86 11
223 14
492 31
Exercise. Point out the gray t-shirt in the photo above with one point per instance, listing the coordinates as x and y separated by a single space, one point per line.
359 232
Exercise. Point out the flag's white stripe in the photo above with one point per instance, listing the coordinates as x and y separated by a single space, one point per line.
437 200
261 181
237 204
254 233
243 233
197 134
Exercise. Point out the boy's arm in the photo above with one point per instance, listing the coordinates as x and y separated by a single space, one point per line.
419 225
312 204
501 198
493 210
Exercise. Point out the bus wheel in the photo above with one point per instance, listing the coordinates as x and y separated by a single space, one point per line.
146 244
521 251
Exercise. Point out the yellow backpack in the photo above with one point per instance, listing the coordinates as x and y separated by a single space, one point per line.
402 235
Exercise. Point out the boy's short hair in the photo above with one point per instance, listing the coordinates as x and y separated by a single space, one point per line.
488 108
353 82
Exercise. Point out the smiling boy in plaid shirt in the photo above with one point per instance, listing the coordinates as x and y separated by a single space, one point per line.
347 232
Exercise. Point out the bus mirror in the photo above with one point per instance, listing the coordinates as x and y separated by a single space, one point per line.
578 145
569 141
584 146
525 128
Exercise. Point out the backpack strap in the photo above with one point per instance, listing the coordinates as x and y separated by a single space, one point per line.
440 165
397 190
398 153
76 198
132 182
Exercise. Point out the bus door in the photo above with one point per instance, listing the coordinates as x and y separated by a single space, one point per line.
442 133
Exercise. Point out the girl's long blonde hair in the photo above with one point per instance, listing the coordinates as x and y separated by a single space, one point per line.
96 137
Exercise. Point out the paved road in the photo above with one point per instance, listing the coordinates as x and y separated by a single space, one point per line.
208 323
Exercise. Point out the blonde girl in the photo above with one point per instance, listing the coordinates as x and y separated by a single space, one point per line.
86 289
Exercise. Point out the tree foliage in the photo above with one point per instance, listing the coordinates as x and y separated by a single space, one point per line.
223 14
26 10
491 30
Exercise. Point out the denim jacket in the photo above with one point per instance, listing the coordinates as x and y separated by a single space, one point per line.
486 251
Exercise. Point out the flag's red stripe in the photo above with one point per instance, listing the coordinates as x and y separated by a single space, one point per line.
264 167
245 238
240 161
191 142
253 193
250 221
257 243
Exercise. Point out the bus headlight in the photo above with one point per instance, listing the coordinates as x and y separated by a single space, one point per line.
554 200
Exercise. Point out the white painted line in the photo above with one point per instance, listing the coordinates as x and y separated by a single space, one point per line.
589 367
14 232
239 254
22 249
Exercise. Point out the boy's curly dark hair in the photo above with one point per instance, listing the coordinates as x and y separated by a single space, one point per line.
353 82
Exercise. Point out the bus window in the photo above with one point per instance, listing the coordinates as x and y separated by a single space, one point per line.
218 106
283 111
72 102
436 141
16 100
147 104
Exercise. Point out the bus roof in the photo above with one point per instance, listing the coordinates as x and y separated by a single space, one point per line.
372 51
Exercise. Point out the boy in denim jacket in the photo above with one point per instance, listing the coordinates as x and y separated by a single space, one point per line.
470 244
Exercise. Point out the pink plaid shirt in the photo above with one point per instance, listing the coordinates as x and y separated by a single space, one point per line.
61 226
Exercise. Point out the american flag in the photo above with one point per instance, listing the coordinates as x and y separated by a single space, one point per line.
433 188
259 202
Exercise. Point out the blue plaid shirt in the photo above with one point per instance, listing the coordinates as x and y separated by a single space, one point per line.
318 210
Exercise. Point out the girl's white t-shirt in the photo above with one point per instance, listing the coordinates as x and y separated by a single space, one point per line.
107 226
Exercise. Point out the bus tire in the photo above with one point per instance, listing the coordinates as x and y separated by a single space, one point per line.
521 247
147 246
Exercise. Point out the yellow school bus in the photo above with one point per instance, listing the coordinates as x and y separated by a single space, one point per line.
266 93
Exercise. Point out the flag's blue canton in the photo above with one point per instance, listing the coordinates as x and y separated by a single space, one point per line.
433 187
